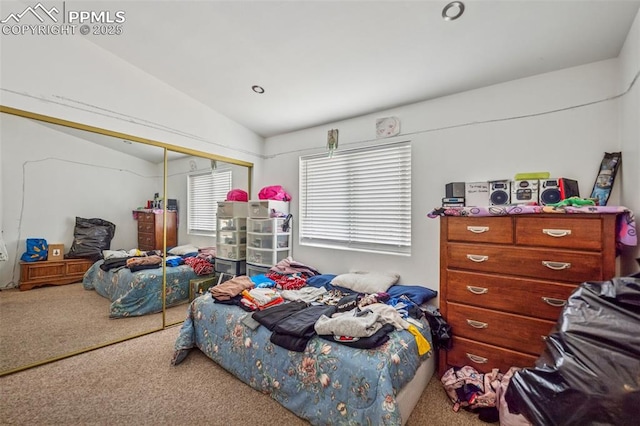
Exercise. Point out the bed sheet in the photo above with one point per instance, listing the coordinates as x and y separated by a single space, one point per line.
329 383
138 293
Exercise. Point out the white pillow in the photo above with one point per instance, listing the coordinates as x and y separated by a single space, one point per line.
113 254
366 282
182 250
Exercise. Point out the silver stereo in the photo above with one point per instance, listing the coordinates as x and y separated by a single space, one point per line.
524 191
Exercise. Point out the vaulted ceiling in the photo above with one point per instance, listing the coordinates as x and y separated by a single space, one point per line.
323 61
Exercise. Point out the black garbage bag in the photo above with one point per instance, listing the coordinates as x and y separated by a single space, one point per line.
589 373
90 237
440 329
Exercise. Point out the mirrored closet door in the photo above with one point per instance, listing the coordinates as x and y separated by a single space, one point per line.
195 182
53 175
56 175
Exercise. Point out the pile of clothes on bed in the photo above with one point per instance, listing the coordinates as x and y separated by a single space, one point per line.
295 302
201 260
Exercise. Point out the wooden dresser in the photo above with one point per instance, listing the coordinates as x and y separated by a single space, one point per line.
505 279
150 226
52 272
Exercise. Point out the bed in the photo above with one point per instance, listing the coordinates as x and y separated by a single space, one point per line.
328 383
138 293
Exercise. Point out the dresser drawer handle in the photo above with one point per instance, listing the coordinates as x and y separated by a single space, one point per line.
557 232
477 290
478 229
554 302
477 258
556 266
477 324
477 359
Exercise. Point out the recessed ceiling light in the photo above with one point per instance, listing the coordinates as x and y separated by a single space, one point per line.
453 11
257 89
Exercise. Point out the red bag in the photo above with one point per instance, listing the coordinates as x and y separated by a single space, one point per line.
275 192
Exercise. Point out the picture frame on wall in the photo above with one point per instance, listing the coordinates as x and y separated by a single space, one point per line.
606 177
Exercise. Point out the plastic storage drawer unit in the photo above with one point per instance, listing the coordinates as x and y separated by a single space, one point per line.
231 267
231 252
268 208
232 237
266 226
232 209
256 270
232 224
266 257
268 241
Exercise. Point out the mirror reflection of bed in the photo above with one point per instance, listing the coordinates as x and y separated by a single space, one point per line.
58 174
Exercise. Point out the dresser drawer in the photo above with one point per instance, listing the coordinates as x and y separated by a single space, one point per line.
558 265
146 217
484 357
525 334
146 241
542 299
146 227
480 229
576 233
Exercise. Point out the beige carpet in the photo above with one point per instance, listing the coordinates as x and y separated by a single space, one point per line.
133 383
48 322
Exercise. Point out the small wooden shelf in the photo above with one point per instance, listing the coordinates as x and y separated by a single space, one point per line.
52 272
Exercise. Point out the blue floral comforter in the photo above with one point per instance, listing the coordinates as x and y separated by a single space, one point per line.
138 293
328 384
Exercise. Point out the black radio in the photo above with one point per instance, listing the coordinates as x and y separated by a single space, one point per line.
554 190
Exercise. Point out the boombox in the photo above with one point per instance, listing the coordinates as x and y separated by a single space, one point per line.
556 189
499 192
524 191
504 192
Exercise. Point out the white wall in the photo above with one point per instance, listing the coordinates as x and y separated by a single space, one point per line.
533 124
69 77
630 133
50 177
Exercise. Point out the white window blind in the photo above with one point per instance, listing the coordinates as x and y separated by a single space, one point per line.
204 191
358 199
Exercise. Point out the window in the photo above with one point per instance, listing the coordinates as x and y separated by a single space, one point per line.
358 199
203 192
